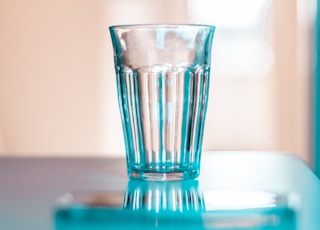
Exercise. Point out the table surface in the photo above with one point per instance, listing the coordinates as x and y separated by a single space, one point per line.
31 190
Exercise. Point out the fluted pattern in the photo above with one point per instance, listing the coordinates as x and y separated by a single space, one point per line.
163 113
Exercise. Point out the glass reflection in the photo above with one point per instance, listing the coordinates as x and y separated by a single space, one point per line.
173 205
174 196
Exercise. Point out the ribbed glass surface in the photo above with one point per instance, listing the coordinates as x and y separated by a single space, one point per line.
163 74
163 112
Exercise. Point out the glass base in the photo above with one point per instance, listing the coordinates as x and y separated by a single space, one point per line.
163 176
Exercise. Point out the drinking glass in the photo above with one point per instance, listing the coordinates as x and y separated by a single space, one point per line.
163 75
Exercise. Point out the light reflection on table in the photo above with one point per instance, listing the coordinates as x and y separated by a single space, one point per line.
175 204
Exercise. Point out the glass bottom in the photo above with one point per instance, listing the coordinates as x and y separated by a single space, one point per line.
163 176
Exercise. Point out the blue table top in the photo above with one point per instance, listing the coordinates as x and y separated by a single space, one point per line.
235 190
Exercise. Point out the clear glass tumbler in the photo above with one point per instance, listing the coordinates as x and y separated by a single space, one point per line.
163 74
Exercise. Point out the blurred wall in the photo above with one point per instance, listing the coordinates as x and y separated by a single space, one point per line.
57 83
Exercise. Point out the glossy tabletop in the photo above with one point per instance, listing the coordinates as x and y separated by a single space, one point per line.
235 190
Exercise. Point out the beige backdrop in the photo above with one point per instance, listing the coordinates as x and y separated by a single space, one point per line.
57 84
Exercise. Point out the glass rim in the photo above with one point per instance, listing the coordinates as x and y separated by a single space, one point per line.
173 25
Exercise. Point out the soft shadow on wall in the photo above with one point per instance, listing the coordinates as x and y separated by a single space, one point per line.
57 82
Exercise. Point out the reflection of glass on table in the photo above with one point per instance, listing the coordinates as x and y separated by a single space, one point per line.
175 196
